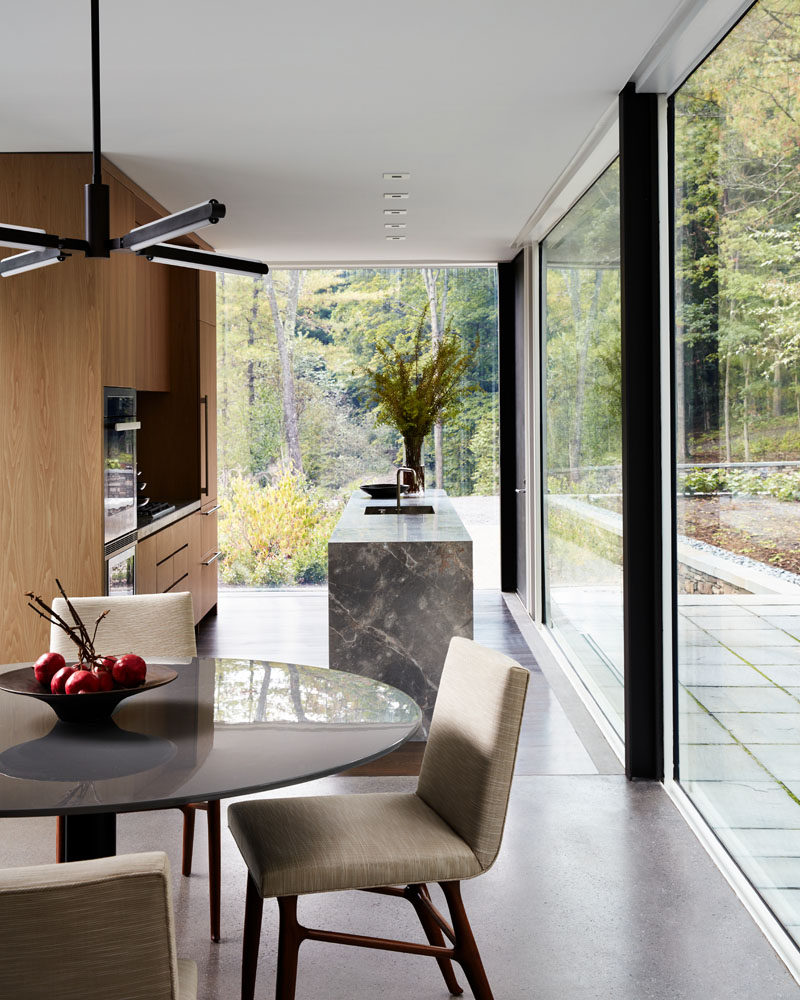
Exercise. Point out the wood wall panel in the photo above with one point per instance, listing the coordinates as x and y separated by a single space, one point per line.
119 305
207 297
50 408
169 441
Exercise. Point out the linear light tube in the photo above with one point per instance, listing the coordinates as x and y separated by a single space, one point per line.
188 221
26 238
29 261
203 260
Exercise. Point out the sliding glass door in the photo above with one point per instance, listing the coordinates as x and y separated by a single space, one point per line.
737 420
582 441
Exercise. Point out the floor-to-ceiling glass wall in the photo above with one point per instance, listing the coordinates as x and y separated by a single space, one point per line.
298 432
737 418
582 471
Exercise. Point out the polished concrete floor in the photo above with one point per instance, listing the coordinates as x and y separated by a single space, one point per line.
600 890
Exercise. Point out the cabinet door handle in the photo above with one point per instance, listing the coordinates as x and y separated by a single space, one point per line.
128 425
211 510
211 559
204 404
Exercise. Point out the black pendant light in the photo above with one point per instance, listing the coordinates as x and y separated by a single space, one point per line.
46 248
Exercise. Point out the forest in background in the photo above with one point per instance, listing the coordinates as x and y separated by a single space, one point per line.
737 205
295 435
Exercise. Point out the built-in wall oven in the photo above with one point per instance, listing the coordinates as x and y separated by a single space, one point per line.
121 566
120 488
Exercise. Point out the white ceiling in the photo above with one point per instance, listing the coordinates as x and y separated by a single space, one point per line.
290 113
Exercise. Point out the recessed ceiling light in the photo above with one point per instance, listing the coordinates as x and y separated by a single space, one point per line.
395 237
395 195
396 177
395 211
394 225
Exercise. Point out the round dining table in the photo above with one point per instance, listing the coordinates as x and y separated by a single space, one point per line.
222 728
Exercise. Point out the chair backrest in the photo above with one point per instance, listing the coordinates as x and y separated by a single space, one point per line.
472 744
88 930
152 625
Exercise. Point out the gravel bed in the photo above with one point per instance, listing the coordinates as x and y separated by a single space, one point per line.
732 557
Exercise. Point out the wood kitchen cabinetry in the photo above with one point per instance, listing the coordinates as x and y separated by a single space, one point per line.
170 561
67 331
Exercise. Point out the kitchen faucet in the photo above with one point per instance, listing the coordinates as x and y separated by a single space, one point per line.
400 471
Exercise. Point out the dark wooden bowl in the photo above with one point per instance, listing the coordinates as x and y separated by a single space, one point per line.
384 491
82 708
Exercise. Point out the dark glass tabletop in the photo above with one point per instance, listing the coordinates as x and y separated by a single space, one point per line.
224 727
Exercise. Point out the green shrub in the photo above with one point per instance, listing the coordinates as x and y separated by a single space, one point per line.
275 535
703 481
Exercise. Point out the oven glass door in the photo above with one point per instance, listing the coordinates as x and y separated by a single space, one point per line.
120 462
121 573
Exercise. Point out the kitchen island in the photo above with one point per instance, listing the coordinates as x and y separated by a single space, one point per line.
399 588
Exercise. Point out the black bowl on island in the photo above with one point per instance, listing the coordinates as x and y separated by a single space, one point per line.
384 491
93 706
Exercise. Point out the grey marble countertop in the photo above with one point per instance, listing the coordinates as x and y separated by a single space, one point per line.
444 525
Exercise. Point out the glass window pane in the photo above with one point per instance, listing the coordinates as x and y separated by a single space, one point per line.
583 442
737 398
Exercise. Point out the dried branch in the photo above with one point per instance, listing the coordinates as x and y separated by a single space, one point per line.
78 634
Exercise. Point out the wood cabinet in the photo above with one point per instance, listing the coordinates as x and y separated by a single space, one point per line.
169 561
135 297
209 568
65 332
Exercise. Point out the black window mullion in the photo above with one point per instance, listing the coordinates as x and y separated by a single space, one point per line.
641 434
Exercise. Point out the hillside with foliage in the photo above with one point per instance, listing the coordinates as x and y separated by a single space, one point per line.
297 431
737 205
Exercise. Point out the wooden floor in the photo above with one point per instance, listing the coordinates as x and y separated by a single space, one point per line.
292 626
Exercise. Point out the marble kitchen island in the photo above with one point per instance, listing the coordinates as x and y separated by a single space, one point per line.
399 588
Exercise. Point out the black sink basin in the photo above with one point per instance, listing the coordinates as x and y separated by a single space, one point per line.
421 509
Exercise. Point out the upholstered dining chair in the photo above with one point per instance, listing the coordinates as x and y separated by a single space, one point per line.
449 829
154 626
91 930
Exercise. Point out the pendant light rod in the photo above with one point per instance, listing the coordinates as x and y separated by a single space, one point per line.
42 248
97 173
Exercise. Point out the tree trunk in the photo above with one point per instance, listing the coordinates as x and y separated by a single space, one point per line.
430 277
777 390
681 451
745 410
251 340
797 398
588 324
726 408
284 334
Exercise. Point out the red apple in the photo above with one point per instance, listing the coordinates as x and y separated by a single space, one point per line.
108 661
82 682
61 677
129 670
104 679
46 666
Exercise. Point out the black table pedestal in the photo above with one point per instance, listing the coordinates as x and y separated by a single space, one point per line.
90 835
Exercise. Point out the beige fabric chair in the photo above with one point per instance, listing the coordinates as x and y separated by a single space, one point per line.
449 829
91 930
154 626
151 625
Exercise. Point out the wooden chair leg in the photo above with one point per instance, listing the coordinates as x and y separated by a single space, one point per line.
253 911
289 939
61 840
466 950
214 868
188 838
433 934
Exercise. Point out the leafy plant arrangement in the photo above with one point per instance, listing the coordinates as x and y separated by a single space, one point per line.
415 385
